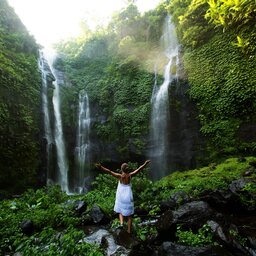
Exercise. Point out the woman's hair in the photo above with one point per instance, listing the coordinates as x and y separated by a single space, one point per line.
125 167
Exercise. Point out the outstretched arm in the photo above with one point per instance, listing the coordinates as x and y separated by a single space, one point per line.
140 168
100 167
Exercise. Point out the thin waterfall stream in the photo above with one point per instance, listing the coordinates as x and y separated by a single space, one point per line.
160 116
43 65
62 177
82 150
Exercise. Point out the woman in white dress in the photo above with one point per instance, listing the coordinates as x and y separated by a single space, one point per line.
124 198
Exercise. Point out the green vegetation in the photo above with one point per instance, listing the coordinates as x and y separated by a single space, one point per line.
194 182
19 103
50 211
59 228
219 58
115 67
203 237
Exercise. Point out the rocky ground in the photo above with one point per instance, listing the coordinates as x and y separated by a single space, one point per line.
232 223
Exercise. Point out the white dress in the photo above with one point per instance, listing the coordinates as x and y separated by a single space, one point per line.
124 199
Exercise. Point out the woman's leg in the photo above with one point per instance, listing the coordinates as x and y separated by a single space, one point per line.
121 219
129 222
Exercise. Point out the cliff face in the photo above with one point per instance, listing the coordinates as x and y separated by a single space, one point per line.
186 142
19 103
120 116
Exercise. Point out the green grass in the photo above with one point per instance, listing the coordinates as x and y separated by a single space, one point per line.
212 177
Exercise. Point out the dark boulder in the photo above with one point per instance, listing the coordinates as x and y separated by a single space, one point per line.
229 238
98 216
166 229
123 238
168 205
191 215
80 207
27 227
180 198
194 214
141 249
237 185
172 249
222 200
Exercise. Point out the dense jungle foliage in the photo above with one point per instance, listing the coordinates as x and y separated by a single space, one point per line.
116 67
19 103
58 229
219 58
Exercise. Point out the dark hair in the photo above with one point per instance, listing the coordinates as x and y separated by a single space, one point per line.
125 167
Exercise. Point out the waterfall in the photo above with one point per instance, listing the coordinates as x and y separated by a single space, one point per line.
43 65
82 141
62 177
160 116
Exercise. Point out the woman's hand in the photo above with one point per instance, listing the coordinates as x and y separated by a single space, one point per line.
147 162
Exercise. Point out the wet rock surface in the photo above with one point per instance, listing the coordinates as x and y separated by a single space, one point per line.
231 222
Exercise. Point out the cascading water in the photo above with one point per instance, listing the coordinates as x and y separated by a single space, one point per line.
43 65
160 116
62 178
82 149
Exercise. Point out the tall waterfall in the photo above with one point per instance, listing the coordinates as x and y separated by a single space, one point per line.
160 116
62 177
43 65
82 149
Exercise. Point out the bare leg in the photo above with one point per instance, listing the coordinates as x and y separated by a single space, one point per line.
121 219
129 222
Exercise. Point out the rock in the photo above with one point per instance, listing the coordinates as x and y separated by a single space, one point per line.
27 227
17 254
172 249
165 227
122 237
107 242
180 198
237 185
229 237
193 215
142 249
98 216
80 207
86 219
168 205
222 200
217 230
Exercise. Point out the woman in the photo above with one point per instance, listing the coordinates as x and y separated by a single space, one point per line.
124 198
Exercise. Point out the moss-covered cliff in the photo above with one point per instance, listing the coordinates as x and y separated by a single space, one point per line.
19 103
115 66
220 61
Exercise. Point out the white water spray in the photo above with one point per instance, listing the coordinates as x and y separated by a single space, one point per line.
82 149
43 65
58 132
160 115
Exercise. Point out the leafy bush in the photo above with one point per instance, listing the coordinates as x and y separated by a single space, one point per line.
49 242
45 207
202 237
103 193
213 177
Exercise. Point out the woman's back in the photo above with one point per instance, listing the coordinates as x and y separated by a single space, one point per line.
125 178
